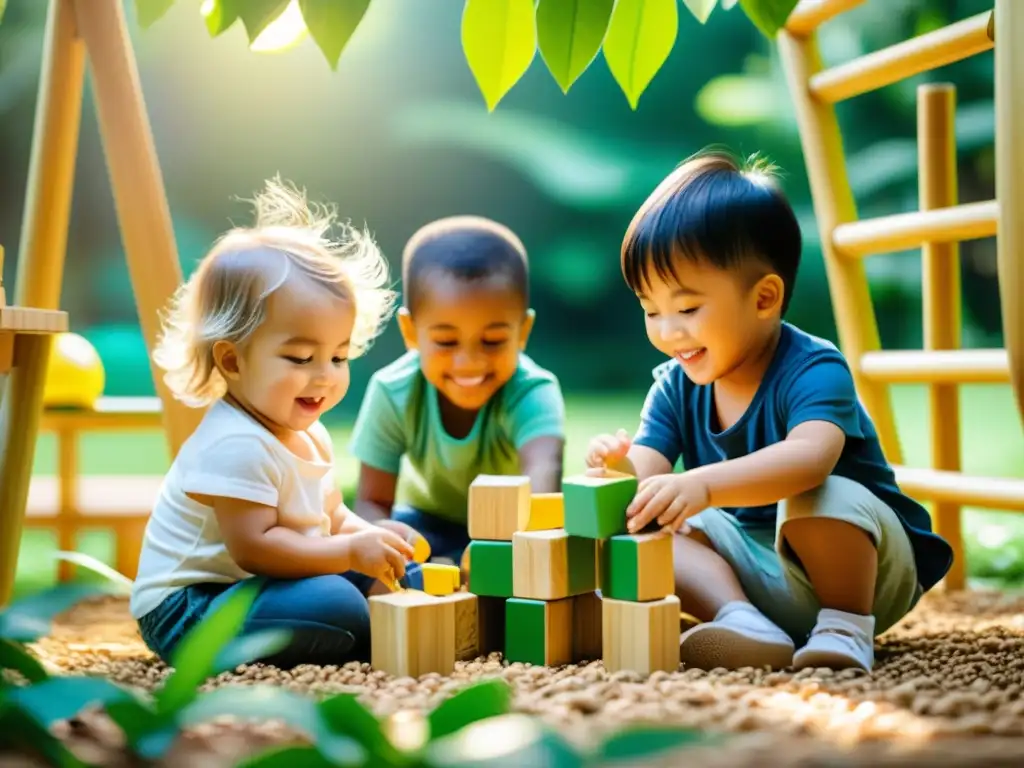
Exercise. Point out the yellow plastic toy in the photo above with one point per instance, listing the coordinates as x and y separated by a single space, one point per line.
74 374
421 549
440 580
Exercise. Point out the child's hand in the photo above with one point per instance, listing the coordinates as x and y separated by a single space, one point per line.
379 553
671 499
608 450
407 532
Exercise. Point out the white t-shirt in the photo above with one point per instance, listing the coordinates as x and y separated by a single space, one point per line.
229 454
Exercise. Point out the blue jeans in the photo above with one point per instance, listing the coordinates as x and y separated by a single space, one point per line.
446 539
328 616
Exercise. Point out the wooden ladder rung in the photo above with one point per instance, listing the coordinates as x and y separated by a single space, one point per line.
957 488
811 14
937 366
931 50
902 231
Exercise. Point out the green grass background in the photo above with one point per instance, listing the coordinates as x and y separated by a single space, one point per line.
992 439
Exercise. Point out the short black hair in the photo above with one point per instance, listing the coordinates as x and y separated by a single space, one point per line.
468 248
714 209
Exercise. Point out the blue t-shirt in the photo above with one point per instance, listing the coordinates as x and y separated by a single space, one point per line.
807 380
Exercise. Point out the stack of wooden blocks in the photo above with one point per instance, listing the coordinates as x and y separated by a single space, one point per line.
536 563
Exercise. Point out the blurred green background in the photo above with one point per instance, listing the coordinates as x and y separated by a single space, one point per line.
400 135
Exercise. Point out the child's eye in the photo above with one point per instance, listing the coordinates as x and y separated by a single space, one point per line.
339 360
446 343
651 314
495 343
689 311
299 360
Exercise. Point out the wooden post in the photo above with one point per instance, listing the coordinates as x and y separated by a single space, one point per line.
1009 90
41 267
67 490
937 188
822 144
138 187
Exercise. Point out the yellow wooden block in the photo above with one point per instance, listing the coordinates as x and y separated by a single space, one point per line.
496 505
439 579
421 550
412 633
546 512
640 637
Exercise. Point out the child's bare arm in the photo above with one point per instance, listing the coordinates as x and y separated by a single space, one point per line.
541 460
375 494
799 463
259 545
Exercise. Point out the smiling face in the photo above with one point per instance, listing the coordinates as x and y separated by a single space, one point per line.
711 320
294 367
469 335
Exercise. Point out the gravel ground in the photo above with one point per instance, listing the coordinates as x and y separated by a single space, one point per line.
946 690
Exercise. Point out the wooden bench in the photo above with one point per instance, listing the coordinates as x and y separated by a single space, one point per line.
70 502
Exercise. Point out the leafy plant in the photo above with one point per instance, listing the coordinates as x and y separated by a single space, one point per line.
500 38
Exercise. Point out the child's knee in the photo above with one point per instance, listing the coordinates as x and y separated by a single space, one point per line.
838 498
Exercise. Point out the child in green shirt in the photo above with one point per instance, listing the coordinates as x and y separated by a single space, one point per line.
464 400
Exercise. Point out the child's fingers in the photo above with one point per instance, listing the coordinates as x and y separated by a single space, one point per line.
395 560
402 545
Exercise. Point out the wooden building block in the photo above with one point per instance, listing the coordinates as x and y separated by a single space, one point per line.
412 633
640 637
551 565
586 627
440 579
490 568
595 507
547 512
496 505
467 624
637 567
538 632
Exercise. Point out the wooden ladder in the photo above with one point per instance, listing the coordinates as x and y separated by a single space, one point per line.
937 228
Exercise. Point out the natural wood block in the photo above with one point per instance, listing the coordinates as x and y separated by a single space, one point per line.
640 637
551 565
538 632
595 507
32 320
547 512
412 633
637 567
490 568
496 505
586 627
440 579
467 624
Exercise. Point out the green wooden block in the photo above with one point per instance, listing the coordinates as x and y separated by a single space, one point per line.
490 568
595 507
538 631
637 567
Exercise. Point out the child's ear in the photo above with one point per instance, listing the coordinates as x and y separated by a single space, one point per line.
524 333
225 357
406 327
770 292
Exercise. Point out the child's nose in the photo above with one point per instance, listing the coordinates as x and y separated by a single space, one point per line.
671 327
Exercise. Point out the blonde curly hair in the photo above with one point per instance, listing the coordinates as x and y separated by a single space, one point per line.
225 298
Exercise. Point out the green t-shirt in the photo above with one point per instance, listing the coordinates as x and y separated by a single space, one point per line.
399 430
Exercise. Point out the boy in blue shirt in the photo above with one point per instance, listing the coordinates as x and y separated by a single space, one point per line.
793 530
464 400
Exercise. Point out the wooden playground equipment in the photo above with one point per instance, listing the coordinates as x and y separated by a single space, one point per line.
95 30
937 229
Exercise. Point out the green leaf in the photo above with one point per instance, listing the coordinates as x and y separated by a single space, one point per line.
13 656
30 618
150 11
343 714
194 657
499 39
97 566
287 757
250 647
646 741
19 730
738 100
640 38
257 15
504 742
3 7
701 9
569 35
490 698
220 15
148 734
61 698
769 16
331 24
